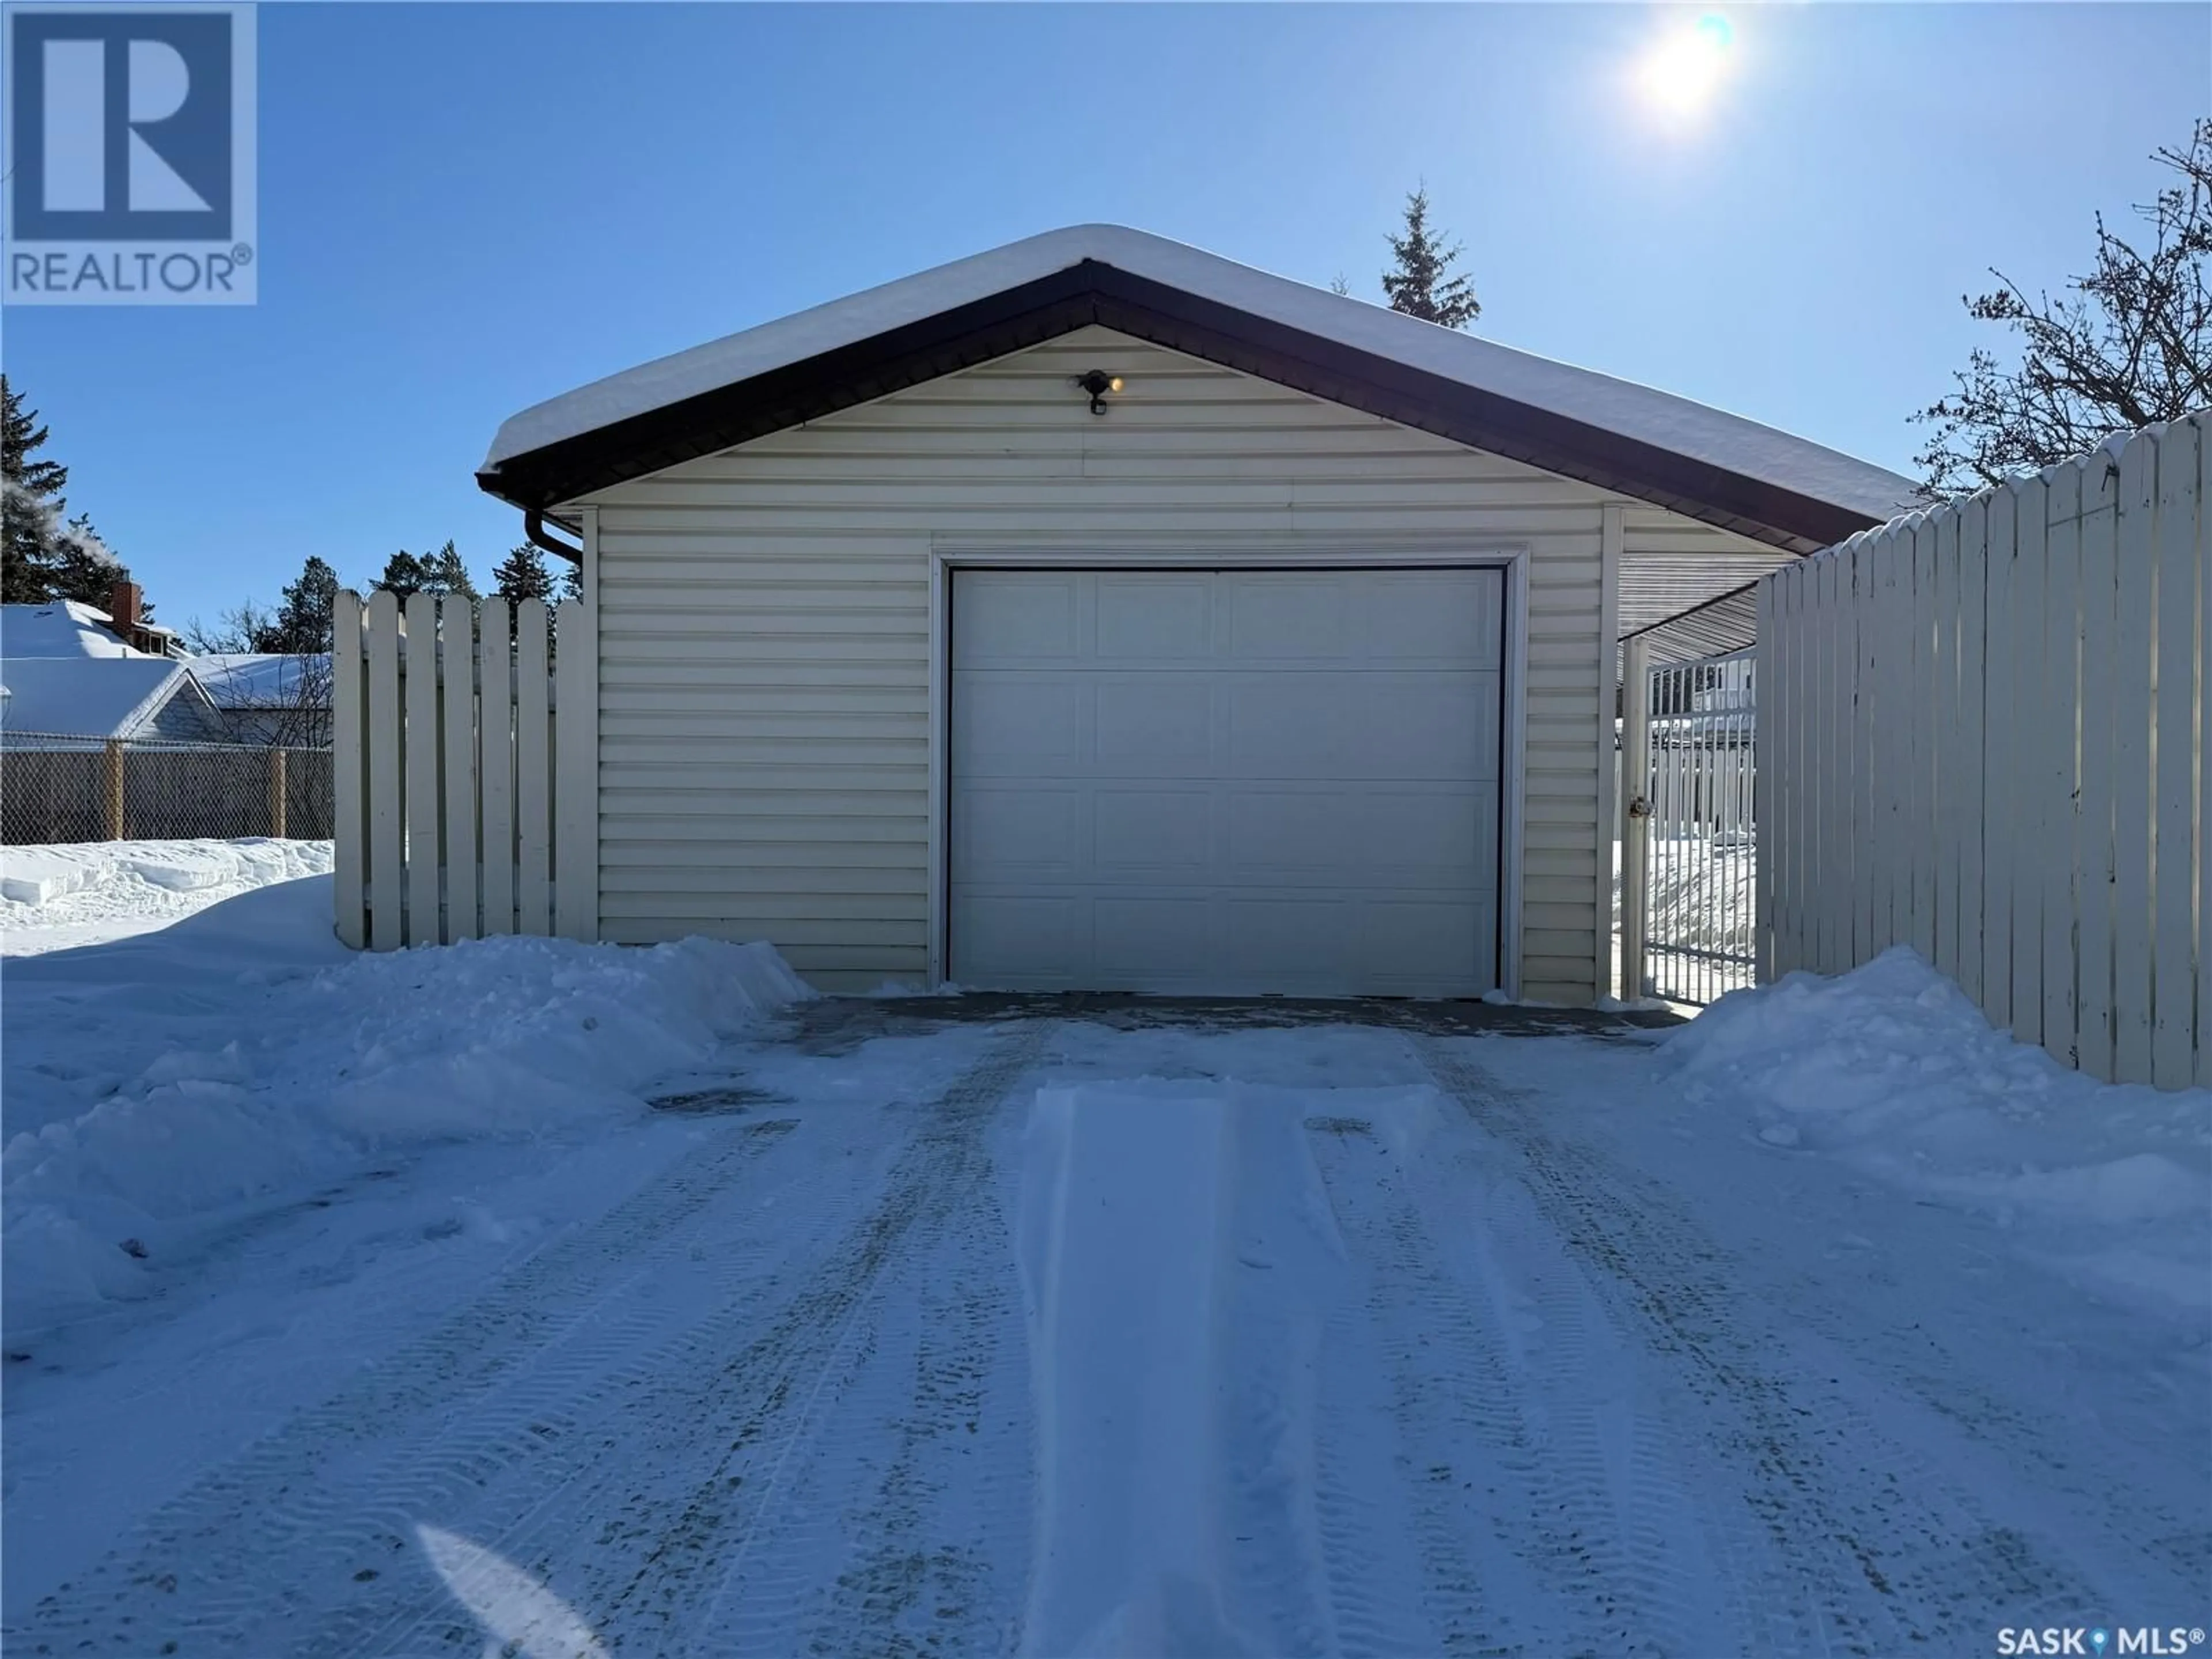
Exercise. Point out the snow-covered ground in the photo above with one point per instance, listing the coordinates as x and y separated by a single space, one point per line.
54 898
1833 1323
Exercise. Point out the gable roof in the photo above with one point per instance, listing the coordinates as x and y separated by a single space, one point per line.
1696 461
63 628
261 679
94 697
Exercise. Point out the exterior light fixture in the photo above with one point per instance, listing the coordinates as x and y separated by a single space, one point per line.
1097 383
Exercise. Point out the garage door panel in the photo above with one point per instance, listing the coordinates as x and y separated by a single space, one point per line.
1402 946
1155 618
1424 726
1020 832
1286 725
1303 619
1232 783
1018 726
1025 937
1431 616
1445 840
1152 725
1136 938
1022 616
1166 834
1291 944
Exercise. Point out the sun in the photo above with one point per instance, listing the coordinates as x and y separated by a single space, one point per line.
1686 67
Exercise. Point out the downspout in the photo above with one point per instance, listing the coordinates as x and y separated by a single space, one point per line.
533 529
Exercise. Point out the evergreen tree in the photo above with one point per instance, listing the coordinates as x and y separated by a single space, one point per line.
42 558
32 504
1423 284
303 624
522 576
441 573
572 581
444 573
403 576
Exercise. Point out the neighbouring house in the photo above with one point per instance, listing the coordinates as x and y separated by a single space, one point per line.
270 697
72 682
1097 613
69 628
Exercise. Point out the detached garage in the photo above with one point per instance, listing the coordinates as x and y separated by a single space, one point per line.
1099 614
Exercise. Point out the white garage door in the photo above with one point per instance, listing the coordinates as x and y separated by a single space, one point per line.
1226 782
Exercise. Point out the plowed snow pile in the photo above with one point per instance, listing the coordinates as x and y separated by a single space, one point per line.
161 1084
1893 1069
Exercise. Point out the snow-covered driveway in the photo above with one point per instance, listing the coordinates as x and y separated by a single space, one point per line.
901 1329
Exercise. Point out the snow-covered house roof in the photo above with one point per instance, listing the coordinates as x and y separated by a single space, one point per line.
94 698
65 627
1687 456
261 679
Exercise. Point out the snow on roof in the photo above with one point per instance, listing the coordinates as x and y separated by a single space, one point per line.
255 679
66 628
1659 418
88 696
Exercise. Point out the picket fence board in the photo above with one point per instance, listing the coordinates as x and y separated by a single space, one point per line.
2204 426
2133 595
534 772
1944 769
387 830
1919 735
2059 712
2174 744
419 748
347 723
496 765
1973 581
456 674
2000 808
2092 990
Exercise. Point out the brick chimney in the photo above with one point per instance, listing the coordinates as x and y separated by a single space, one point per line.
122 603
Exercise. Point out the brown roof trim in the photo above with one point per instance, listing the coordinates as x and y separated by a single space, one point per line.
1091 292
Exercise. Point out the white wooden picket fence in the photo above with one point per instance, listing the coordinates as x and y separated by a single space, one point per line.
1981 733
466 774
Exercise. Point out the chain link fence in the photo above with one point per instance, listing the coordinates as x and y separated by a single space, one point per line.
57 788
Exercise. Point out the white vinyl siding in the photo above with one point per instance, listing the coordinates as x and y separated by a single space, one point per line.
765 627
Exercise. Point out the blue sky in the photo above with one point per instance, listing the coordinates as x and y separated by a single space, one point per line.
467 209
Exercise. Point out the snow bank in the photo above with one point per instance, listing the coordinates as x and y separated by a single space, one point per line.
180 1077
77 893
1893 1068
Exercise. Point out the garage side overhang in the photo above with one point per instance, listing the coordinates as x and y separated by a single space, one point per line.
1428 378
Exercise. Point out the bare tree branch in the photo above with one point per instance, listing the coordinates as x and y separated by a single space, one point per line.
2127 345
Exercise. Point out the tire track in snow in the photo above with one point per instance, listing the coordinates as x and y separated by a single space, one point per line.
701 1453
858 1550
1501 1573
332 1489
1647 1557
1868 1550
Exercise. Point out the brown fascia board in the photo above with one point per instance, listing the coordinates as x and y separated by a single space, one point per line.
1093 293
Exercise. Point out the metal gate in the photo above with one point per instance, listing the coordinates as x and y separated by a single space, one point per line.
1689 852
